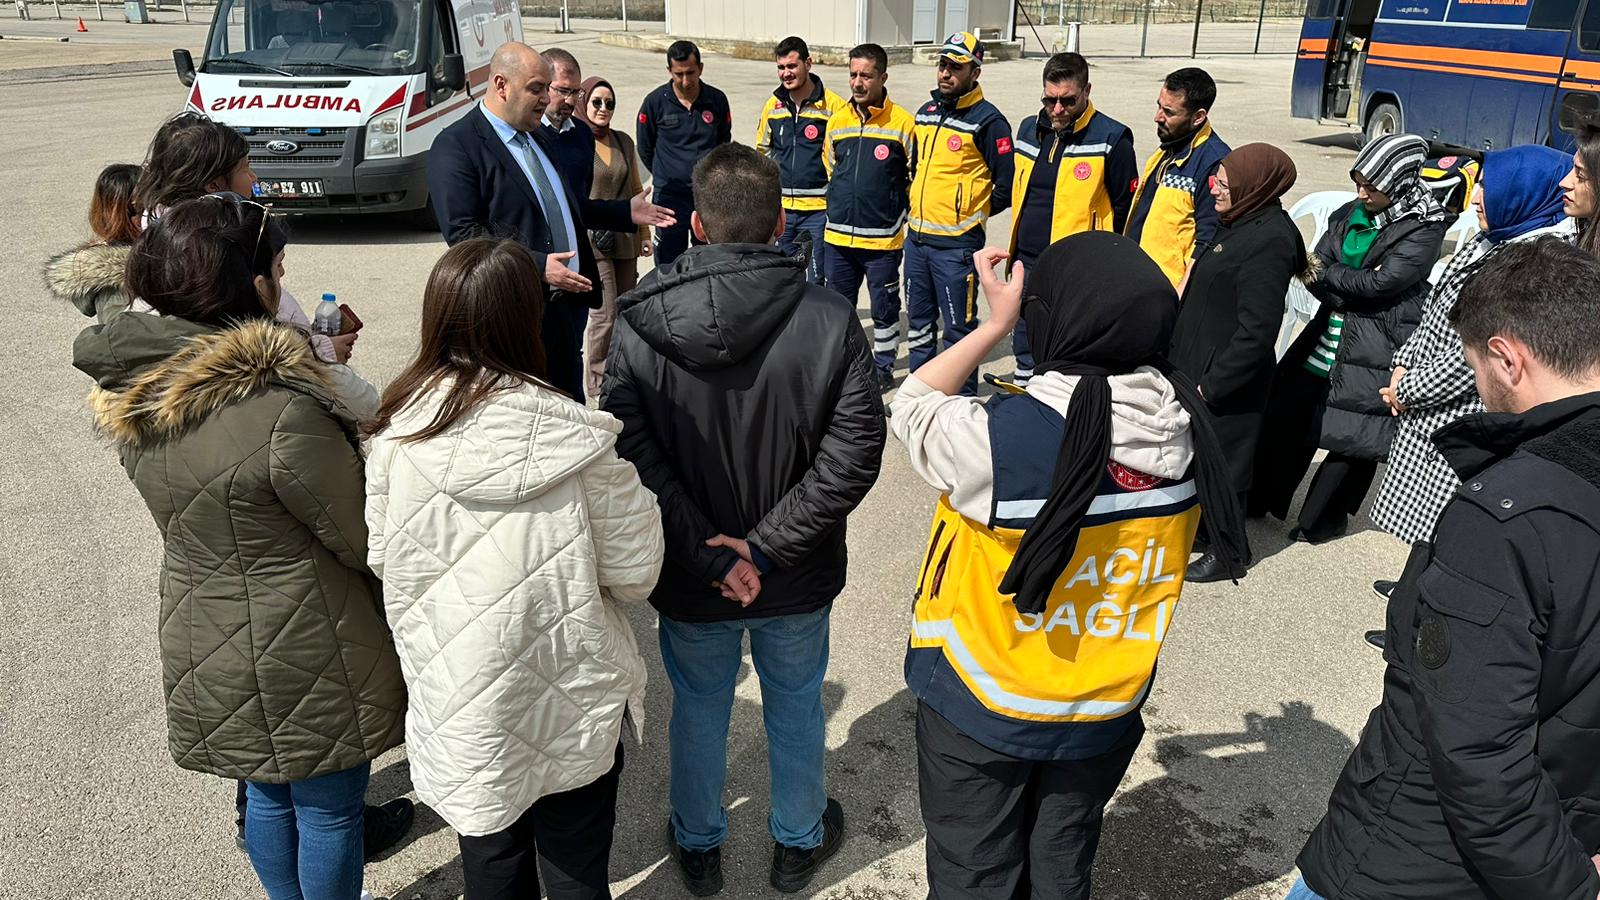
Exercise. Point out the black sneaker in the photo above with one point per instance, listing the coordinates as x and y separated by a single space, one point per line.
1383 588
793 869
1376 639
385 825
701 869
238 835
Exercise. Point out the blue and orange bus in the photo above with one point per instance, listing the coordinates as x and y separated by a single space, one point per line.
1477 74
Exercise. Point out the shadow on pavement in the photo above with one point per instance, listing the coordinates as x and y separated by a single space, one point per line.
1262 790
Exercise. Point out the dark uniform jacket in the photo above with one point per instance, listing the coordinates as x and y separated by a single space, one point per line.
1477 775
1227 328
673 138
748 405
1382 305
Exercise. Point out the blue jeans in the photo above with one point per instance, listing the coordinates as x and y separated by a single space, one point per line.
1301 892
702 660
939 282
305 837
814 223
847 267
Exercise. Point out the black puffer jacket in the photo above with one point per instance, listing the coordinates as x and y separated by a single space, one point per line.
748 406
1382 304
1475 776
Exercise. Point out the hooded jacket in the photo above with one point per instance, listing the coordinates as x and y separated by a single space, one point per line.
276 660
1474 778
997 674
504 545
90 278
747 403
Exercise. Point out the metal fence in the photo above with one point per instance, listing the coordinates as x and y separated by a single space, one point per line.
1162 27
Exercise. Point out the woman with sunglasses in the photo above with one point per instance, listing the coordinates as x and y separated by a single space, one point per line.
279 669
90 276
616 177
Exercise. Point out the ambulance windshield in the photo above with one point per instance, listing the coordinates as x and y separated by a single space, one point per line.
379 37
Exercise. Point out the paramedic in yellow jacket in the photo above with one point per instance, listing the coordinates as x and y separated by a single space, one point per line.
1174 215
793 130
871 153
964 174
1029 695
1075 172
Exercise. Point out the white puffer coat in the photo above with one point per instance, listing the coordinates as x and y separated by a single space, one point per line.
503 545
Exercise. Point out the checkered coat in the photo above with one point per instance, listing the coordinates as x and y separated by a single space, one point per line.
1438 388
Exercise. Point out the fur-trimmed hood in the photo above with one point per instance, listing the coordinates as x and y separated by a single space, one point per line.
90 277
159 376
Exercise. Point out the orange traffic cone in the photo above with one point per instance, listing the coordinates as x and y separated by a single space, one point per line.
82 28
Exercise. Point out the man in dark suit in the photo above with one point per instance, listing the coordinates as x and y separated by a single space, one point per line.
571 142
492 173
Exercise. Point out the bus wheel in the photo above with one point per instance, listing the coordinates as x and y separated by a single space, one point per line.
1384 120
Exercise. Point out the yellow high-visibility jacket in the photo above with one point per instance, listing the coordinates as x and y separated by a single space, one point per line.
1174 215
794 135
964 170
870 161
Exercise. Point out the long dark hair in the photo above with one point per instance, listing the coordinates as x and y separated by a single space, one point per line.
200 261
188 153
113 216
1589 152
481 316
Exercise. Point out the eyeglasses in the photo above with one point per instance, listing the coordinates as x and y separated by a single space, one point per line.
600 102
566 93
1220 186
1053 102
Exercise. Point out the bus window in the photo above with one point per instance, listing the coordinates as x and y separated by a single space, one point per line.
1554 15
1589 29
1320 9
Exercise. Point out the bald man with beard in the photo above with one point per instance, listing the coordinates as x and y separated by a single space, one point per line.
493 172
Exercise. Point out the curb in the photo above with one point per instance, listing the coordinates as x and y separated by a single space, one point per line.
92 70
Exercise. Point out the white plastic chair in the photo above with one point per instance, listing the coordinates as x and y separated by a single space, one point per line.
1461 233
1298 304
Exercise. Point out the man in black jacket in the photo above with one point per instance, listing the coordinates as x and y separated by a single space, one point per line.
748 405
1476 777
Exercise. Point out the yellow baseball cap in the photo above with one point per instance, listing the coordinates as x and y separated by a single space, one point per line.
962 47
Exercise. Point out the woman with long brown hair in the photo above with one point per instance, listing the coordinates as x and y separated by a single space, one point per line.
506 529
1580 199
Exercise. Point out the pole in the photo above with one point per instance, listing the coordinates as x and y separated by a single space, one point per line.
1261 18
1061 13
185 5
1194 46
100 9
1144 32
624 15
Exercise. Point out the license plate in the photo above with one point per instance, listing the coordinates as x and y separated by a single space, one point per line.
289 188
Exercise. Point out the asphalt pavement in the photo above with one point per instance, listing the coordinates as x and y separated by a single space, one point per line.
1262 689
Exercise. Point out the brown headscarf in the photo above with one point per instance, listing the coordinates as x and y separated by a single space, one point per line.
1258 174
582 112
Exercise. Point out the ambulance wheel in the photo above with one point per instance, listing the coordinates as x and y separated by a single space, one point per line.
1382 121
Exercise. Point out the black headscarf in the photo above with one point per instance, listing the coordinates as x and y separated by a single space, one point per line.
1098 306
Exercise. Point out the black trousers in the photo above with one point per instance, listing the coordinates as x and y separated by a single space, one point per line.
566 837
1001 828
1288 444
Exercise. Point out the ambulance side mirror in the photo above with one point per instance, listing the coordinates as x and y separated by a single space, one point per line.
455 72
185 65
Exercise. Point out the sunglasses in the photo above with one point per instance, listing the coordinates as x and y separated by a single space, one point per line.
1053 102
600 102
266 214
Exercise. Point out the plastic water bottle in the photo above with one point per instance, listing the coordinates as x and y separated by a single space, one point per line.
329 319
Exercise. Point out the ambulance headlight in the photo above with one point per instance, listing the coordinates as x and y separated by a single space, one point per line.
383 135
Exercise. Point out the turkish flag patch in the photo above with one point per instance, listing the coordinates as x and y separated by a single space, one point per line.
1131 479
643 118
1003 146
1133 186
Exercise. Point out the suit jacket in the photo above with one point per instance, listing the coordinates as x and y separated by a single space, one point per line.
478 188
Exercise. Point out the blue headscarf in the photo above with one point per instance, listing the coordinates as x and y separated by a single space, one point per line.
1522 190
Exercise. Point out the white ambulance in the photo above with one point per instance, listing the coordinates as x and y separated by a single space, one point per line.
341 99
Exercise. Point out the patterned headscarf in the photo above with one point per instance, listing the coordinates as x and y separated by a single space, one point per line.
1392 164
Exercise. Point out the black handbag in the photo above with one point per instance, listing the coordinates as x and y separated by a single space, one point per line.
605 240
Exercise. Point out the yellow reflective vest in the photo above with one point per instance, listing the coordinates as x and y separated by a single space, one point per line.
1067 683
1092 175
1174 214
869 162
964 170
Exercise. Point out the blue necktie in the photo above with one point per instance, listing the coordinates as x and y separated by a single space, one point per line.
548 198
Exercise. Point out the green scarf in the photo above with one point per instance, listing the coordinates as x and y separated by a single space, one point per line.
1358 239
